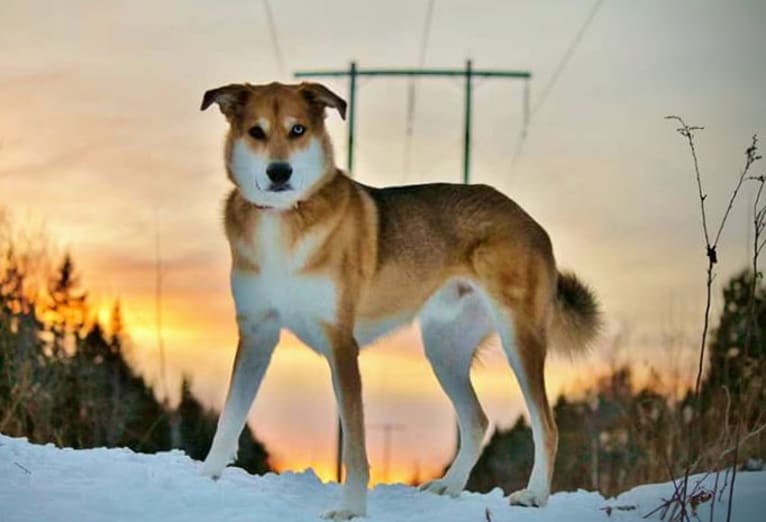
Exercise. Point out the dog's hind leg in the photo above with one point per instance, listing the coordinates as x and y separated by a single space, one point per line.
524 343
521 298
453 323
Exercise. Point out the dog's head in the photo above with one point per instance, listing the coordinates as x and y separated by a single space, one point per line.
277 149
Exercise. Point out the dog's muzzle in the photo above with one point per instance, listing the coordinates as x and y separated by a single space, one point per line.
279 174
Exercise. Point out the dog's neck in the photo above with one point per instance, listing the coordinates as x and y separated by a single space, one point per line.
314 198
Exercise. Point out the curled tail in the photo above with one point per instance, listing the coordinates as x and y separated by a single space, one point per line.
577 320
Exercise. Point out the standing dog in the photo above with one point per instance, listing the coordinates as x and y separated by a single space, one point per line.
340 264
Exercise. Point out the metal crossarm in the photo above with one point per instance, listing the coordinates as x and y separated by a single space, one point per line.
468 73
484 73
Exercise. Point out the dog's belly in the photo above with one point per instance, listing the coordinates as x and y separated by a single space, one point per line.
445 304
366 331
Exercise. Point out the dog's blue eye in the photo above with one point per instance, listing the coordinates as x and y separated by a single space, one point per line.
257 133
297 130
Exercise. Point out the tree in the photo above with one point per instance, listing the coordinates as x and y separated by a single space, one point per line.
609 440
117 329
573 459
65 379
20 345
67 308
730 366
506 461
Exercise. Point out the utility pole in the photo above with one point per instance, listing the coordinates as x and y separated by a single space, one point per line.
469 73
467 123
351 105
387 428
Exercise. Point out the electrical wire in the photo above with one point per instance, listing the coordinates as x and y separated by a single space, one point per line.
553 80
426 33
274 39
411 88
567 56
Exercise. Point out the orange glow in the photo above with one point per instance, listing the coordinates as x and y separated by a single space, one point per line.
326 472
295 413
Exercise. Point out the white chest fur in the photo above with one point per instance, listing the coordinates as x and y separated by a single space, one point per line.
302 301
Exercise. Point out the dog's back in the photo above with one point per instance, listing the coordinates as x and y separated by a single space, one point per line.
427 234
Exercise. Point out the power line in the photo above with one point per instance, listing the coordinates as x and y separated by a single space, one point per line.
387 428
411 87
274 40
426 33
567 56
554 79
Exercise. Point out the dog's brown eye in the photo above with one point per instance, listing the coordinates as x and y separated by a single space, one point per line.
297 130
257 133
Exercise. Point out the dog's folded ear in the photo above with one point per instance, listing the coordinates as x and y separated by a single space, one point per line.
230 98
321 95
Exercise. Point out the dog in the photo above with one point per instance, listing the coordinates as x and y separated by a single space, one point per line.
341 264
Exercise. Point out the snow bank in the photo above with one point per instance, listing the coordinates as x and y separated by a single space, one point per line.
44 483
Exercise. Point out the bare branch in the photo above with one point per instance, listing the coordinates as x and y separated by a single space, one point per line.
750 158
678 503
688 132
753 433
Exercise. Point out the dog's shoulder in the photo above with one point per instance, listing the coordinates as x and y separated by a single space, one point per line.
237 214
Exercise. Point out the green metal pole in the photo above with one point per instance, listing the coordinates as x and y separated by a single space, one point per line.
351 107
467 135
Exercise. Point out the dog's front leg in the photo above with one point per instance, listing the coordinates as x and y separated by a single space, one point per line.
252 359
347 384
258 336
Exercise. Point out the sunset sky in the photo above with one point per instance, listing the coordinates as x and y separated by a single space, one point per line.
102 140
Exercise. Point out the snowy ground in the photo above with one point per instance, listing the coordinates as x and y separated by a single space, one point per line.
44 483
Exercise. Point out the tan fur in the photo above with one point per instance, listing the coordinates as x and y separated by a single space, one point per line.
388 250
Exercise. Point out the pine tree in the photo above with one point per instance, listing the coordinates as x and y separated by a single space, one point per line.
574 452
67 309
66 380
506 461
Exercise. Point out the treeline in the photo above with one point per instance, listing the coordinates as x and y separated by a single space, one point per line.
65 378
617 436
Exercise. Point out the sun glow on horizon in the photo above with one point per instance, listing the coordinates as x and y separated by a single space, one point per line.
294 414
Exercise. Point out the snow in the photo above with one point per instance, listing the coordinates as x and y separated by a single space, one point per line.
45 483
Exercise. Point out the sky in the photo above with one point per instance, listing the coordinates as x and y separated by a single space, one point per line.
101 140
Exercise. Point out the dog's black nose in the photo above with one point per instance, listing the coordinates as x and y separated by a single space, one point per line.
279 172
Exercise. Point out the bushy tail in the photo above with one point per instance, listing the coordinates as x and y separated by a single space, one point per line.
577 320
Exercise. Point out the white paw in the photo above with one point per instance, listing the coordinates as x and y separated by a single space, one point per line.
442 487
342 514
528 498
212 468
